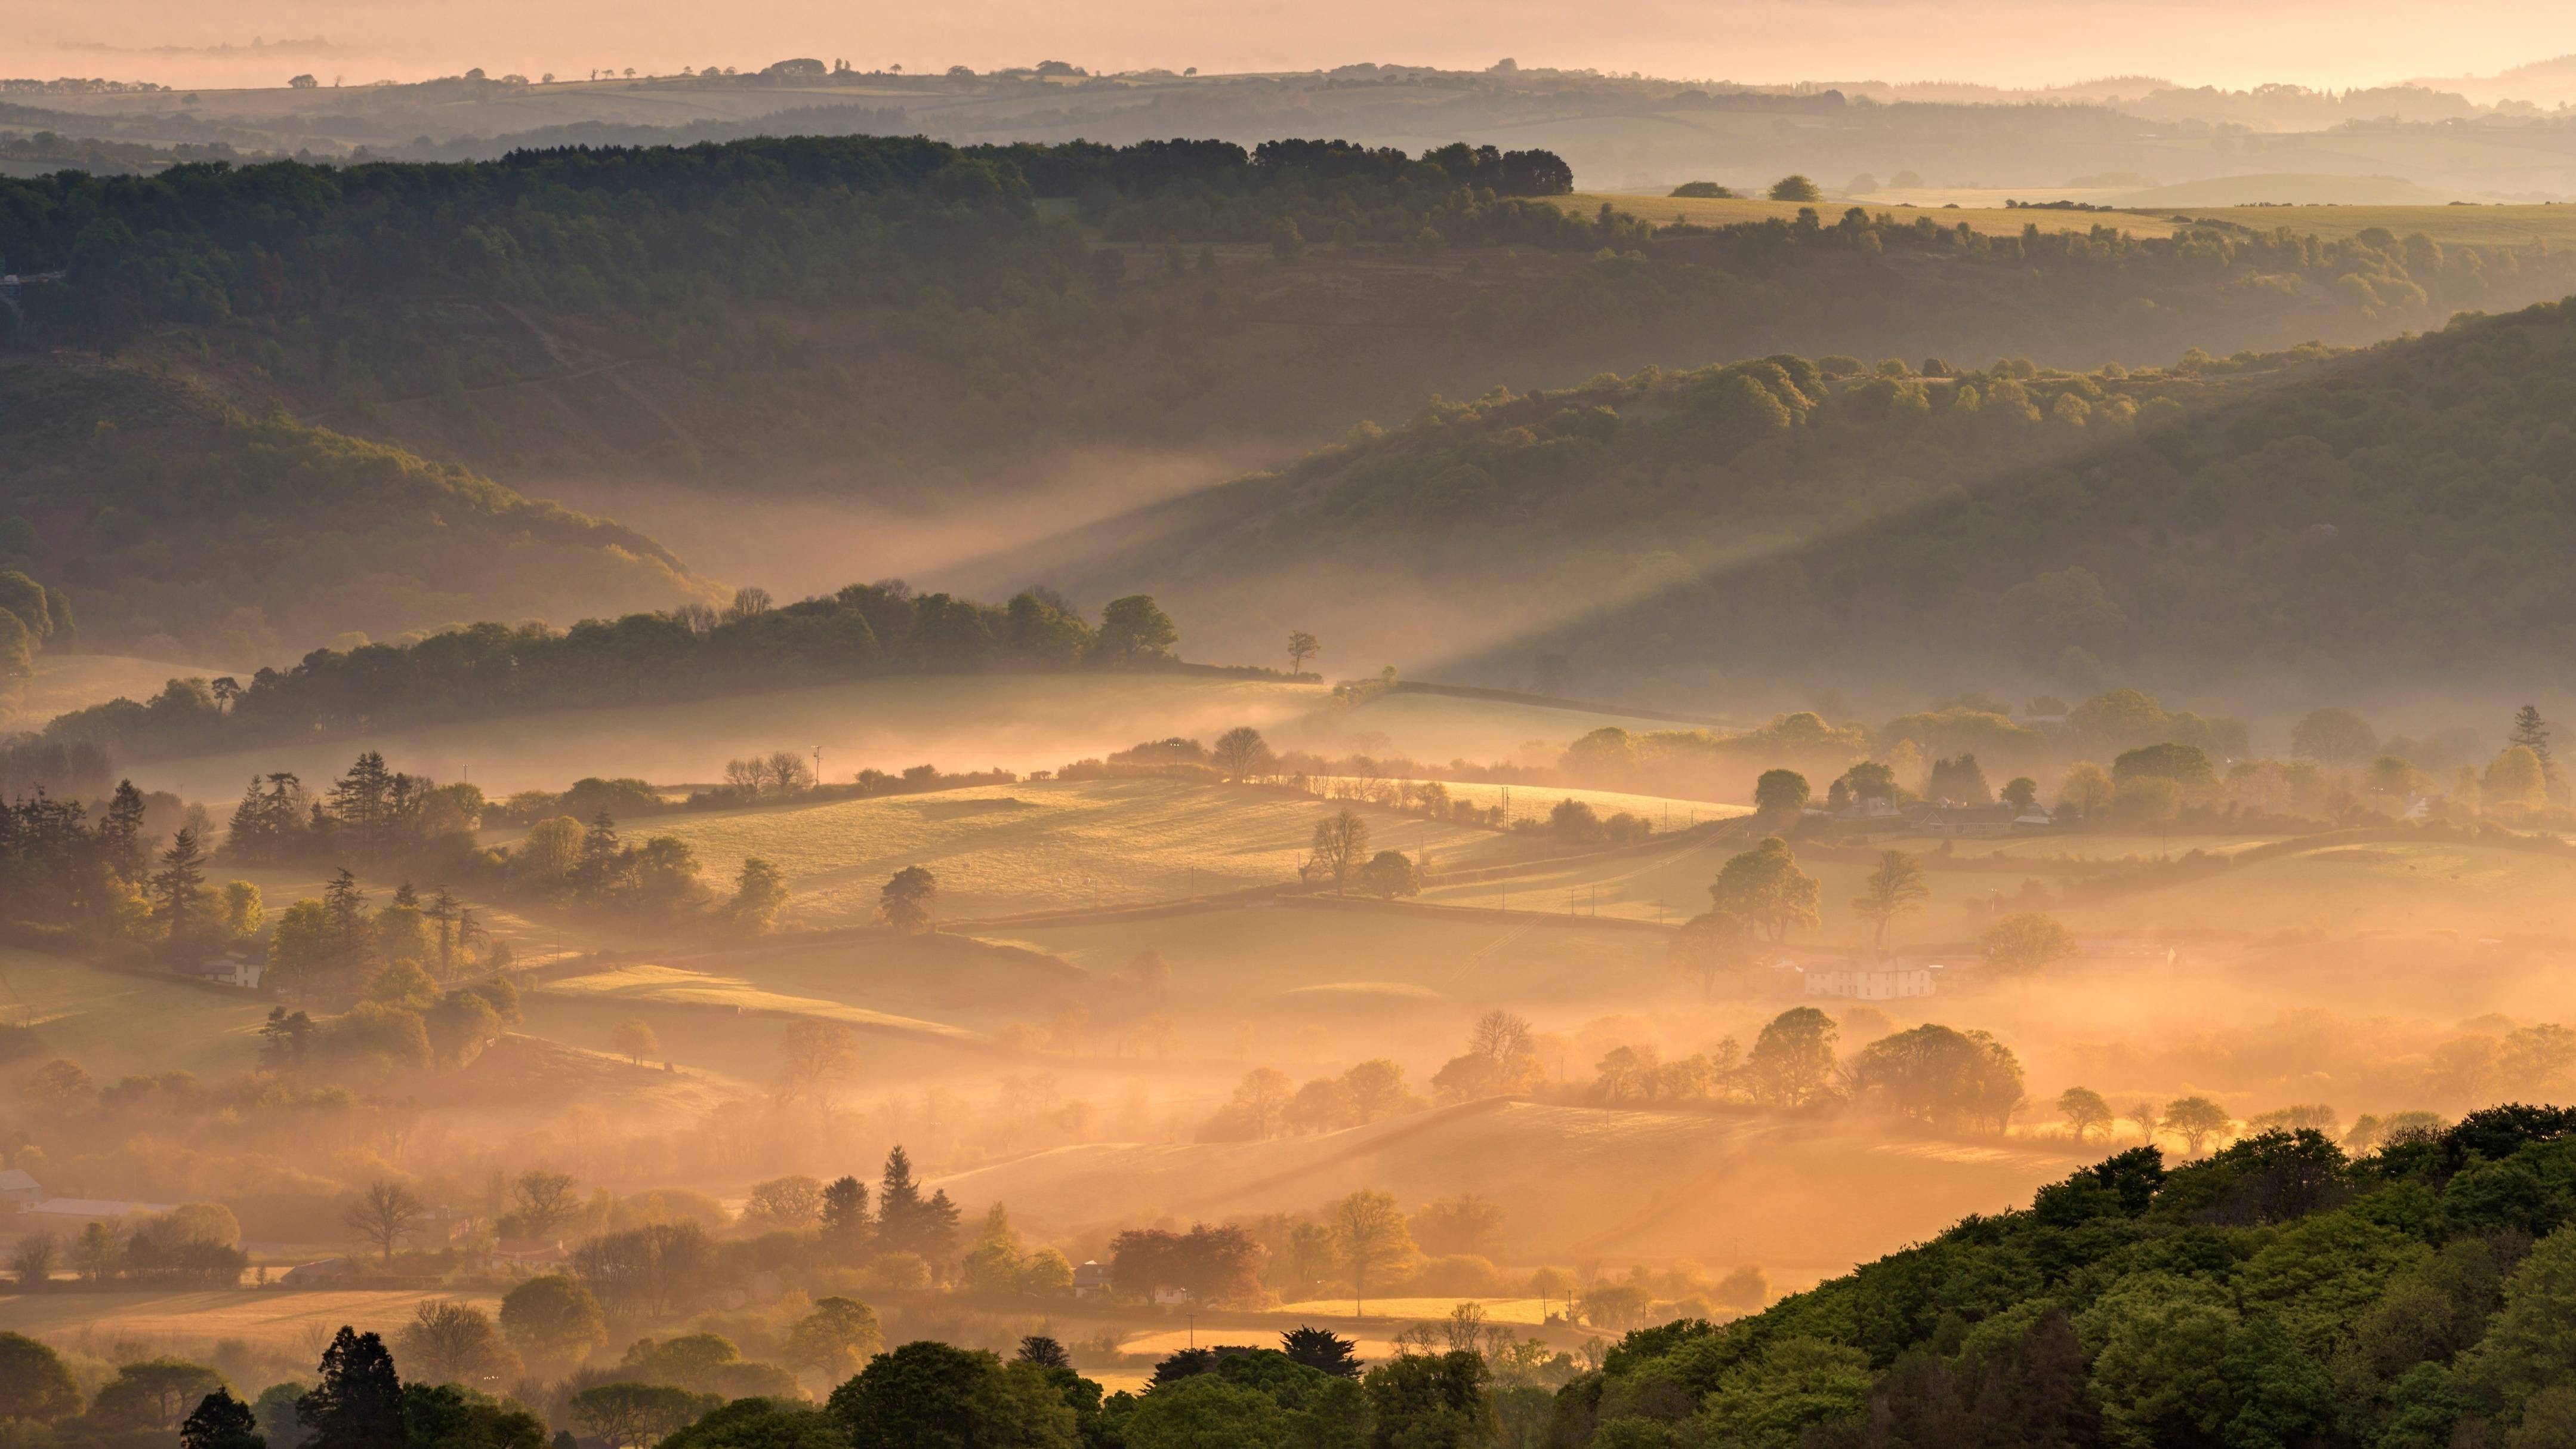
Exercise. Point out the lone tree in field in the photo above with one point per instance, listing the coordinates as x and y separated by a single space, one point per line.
1708 946
1301 647
908 898
1241 752
1390 873
2026 942
1341 843
1796 188
1792 1062
2084 1110
1780 792
2195 1120
634 1040
383 1215
1371 1235
1894 889
1764 888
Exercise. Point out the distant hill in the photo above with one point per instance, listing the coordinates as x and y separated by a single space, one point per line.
181 527
2288 189
2333 519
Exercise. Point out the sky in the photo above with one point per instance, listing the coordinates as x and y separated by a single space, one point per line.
2337 43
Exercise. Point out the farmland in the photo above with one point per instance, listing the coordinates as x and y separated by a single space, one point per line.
2153 215
1038 845
115 1022
1713 1187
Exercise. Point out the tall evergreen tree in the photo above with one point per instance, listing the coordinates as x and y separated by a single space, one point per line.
359 1402
221 1421
120 834
175 888
2532 733
344 907
899 1205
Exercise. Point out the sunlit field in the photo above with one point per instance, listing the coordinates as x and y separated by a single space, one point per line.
1041 845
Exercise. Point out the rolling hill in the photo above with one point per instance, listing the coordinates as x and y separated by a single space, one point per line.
2290 522
895 333
181 527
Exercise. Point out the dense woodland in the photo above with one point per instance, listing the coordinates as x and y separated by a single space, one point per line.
2338 516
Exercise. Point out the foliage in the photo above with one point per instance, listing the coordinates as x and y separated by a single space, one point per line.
2274 1293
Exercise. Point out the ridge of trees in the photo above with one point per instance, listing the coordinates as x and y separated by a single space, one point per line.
2341 516
694 649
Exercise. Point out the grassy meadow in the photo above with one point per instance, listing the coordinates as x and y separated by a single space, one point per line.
114 1022
1039 845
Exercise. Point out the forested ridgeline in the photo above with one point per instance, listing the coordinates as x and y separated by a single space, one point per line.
2274 1293
177 527
901 309
2402 509
482 670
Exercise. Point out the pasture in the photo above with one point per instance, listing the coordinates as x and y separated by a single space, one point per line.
66 682
298 1322
1040 845
115 1022
2155 213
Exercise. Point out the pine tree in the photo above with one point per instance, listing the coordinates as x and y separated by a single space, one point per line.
120 834
899 1205
2532 733
248 836
442 915
597 876
352 944
221 1422
362 801
175 888
359 1403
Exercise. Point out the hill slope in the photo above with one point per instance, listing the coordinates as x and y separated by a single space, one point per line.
178 525
2299 517
2274 1293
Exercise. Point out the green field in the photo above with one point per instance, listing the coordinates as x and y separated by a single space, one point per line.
66 682
1993 219
191 1323
2147 216
1041 845
113 1023
1432 727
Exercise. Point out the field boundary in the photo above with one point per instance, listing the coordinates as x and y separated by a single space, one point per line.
1552 701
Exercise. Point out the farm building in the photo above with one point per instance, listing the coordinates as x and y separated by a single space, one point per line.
1091 1280
1871 981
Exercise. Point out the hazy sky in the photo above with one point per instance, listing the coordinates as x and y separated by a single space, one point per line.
2230 42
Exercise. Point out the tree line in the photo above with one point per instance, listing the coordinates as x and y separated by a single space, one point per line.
693 650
